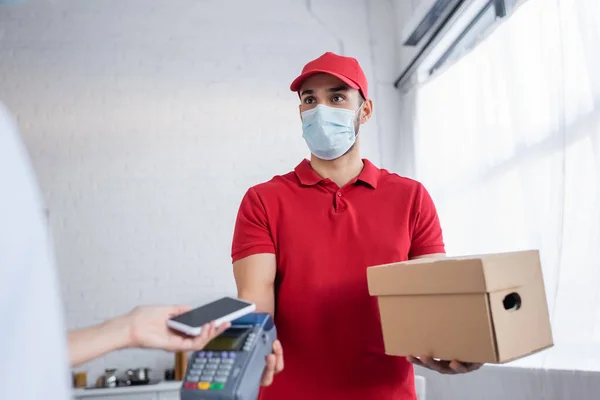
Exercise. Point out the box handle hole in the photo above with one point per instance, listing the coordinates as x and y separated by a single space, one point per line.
512 302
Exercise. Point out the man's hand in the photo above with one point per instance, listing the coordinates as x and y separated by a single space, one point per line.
444 367
274 364
147 326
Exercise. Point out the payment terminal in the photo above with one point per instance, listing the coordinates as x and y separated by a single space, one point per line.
230 367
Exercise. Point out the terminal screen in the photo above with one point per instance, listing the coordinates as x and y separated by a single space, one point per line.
231 340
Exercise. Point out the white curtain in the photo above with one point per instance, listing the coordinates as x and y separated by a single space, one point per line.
508 142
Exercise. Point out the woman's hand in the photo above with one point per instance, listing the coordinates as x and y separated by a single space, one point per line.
147 328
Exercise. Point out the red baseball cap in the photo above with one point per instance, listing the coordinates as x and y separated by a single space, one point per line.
346 69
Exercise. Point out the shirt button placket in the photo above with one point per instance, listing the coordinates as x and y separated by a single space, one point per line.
339 203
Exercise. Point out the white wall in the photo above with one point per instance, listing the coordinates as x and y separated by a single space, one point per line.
147 120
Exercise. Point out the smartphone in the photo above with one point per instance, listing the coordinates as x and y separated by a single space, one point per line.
223 310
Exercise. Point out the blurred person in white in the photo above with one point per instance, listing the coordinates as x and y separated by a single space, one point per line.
32 333
32 330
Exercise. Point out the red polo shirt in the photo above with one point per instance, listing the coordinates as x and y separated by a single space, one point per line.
324 237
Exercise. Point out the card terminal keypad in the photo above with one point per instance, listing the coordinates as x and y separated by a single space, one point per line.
233 374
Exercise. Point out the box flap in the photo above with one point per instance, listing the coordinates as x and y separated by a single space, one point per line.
427 276
465 274
511 270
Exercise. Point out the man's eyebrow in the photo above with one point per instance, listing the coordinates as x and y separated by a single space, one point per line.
339 89
343 88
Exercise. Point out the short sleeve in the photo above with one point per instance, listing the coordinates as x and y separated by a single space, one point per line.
427 235
251 234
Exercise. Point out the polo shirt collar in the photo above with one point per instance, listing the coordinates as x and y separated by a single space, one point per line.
308 176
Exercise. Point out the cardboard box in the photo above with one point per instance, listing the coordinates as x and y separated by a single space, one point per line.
484 309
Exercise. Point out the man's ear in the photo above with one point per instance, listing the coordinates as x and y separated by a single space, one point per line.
300 111
367 111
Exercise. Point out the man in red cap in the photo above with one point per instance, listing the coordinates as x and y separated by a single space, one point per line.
303 241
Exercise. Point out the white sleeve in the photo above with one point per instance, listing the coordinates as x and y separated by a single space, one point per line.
33 346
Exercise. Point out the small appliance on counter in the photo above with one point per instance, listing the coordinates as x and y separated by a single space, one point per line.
138 376
170 374
110 378
133 377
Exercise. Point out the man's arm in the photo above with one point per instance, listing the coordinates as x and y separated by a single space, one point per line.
254 267
255 280
253 254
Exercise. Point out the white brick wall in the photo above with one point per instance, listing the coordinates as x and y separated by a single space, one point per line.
147 121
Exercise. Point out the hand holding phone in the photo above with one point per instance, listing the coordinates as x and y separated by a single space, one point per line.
225 309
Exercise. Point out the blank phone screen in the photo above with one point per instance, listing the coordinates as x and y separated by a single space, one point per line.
209 312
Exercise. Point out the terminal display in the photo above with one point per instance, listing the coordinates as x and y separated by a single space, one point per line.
232 339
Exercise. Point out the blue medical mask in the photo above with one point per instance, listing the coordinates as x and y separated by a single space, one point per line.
328 131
